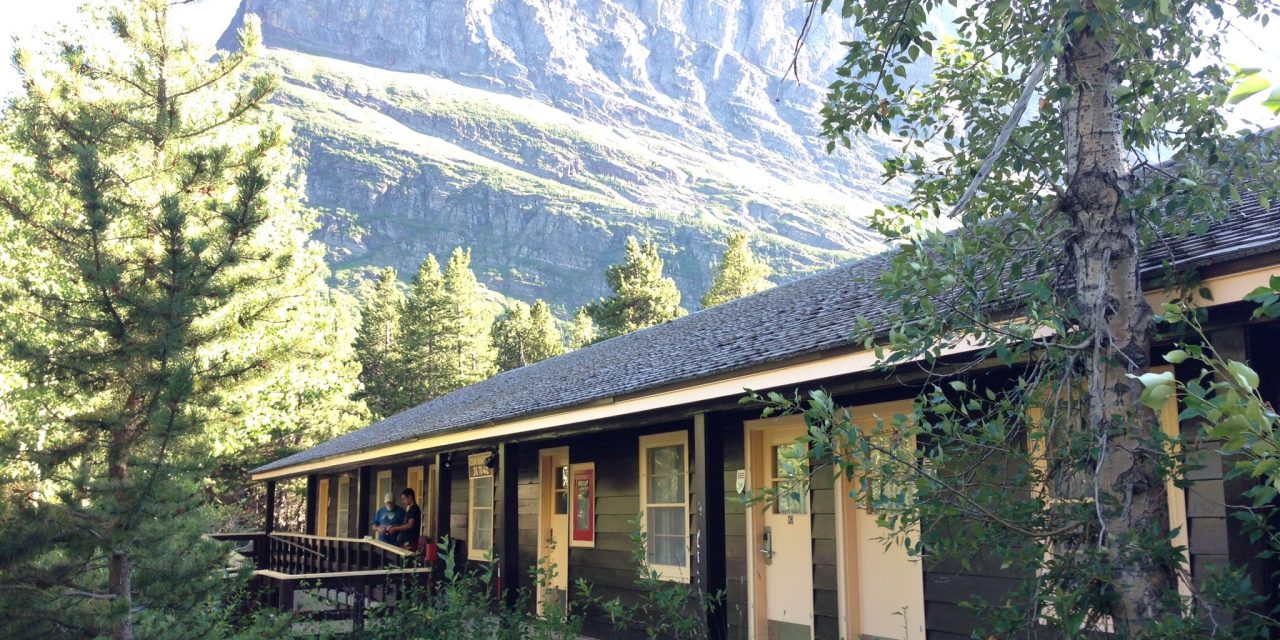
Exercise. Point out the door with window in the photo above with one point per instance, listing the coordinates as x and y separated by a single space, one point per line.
782 531
883 587
553 529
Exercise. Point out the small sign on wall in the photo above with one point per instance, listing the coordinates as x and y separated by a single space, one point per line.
740 481
583 514
477 465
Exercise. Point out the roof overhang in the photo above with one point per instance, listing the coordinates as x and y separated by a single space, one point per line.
1224 288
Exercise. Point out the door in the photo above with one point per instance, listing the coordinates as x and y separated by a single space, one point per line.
782 531
553 536
322 508
414 481
883 588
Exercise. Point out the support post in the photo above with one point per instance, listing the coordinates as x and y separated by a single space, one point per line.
443 489
708 513
270 524
364 501
506 521
313 504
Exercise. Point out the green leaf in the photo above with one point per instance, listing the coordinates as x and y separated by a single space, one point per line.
1247 377
1177 356
1247 86
1155 397
1273 100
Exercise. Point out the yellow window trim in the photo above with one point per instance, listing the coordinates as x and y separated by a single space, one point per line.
472 548
673 573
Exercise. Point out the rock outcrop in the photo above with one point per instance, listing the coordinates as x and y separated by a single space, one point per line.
543 132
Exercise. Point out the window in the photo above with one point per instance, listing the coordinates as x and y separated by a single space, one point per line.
480 522
664 500
583 515
344 507
384 487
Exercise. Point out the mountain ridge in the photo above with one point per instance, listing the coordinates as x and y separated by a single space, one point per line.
542 150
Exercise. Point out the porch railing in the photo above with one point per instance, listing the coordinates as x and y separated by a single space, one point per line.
340 575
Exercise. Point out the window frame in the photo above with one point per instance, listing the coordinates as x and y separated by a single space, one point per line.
343 516
673 573
385 474
475 553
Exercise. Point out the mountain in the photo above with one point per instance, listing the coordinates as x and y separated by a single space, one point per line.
542 132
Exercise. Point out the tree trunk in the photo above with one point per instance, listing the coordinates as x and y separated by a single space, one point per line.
120 566
1104 254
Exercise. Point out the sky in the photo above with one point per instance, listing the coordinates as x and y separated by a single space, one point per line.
206 19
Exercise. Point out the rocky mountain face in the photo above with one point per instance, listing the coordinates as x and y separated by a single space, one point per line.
542 132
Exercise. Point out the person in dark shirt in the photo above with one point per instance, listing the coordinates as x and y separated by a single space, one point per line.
407 531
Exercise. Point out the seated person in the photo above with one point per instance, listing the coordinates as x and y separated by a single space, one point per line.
387 517
406 531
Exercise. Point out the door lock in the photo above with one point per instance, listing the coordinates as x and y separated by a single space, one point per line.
767 547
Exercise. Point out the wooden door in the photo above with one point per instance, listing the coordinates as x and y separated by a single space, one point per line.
414 480
553 534
782 532
322 508
883 588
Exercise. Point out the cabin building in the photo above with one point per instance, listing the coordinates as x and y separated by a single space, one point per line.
648 425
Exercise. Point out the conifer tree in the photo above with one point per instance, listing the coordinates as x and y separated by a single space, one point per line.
143 193
467 344
642 296
526 335
583 330
379 342
740 274
422 364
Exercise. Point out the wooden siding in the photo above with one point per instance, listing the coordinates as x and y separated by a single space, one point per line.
735 529
607 566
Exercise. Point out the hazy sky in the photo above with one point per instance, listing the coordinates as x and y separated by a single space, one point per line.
206 19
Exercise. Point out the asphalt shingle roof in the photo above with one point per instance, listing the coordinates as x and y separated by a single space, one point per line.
799 318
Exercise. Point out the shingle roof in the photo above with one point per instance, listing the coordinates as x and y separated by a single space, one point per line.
806 316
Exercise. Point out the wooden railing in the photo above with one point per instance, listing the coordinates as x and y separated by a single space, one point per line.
350 572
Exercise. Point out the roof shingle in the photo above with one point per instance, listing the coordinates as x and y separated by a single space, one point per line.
799 318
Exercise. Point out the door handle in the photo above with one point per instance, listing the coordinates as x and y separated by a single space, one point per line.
766 548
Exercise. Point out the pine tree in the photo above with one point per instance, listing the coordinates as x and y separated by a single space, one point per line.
642 296
143 193
583 330
467 345
379 342
740 274
526 335
423 362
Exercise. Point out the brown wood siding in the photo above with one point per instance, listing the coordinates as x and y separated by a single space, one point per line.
735 532
459 503
607 566
826 594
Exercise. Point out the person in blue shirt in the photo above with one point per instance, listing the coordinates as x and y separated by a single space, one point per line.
406 531
387 517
